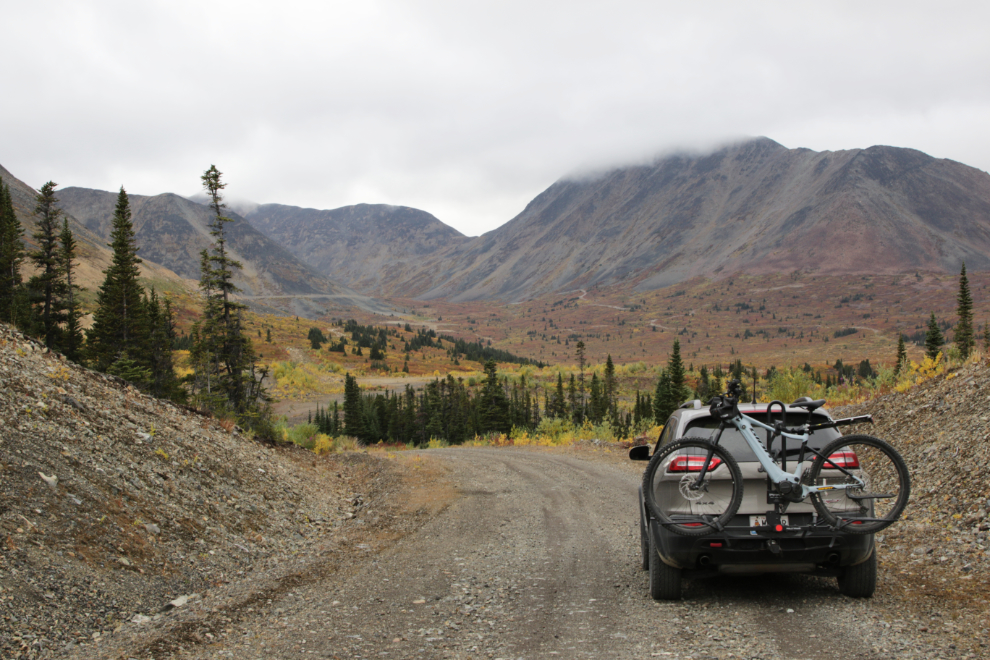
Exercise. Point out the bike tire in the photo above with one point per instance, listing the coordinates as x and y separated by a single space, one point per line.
866 510
670 499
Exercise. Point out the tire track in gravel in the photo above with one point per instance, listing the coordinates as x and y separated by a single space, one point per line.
539 558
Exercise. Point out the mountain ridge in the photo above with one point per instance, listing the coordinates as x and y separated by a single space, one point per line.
336 240
754 206
172 230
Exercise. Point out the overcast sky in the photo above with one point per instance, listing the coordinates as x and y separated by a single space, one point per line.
468 109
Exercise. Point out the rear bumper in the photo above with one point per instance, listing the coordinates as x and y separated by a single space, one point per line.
743 549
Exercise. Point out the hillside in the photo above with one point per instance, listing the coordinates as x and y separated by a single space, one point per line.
367 246
151 503
94 256
756 207
942 428
172 231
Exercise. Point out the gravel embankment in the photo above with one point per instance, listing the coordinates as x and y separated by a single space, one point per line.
152 502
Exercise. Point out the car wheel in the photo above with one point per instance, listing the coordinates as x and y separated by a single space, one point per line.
665 581
644 541
860 581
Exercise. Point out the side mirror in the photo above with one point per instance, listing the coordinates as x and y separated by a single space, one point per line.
640 453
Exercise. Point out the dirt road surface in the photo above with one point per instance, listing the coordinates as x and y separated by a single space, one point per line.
537 556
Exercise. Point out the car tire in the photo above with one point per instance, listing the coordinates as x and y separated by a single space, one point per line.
665 581
860 581
644 541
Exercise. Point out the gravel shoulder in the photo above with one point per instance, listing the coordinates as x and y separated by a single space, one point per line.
534 554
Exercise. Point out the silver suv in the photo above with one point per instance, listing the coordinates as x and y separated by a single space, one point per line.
758 539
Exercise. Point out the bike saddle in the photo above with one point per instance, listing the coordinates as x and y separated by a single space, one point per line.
809 405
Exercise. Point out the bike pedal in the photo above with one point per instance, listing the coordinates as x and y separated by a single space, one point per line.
773 547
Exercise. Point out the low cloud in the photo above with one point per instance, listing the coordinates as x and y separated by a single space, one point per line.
468 110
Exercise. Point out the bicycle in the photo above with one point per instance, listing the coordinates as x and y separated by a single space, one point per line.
857 483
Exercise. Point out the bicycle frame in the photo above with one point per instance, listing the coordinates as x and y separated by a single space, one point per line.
744 424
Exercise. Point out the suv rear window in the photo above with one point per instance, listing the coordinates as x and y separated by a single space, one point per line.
705 427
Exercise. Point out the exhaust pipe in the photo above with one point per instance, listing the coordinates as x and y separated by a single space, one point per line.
833 558
704 561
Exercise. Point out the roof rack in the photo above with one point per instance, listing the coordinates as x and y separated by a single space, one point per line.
694 404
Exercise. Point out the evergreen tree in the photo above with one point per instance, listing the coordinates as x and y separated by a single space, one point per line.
933 338
557 404
986 337
48 288
964 335
597 404
610 390
579 349
316 338
72 337
664 400
353 417
675 371
225 344
162 381
493 403
572 400
901 354
120 327
11 255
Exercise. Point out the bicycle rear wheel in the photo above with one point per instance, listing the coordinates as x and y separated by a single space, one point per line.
682 503
876 504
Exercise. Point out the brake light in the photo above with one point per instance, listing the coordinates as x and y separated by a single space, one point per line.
842 459
692 464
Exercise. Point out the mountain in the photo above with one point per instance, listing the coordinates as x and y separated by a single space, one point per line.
366 246
755 206
93 254
172 231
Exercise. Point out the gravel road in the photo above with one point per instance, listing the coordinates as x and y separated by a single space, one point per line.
538 558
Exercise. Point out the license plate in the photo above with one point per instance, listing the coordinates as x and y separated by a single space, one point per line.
761 521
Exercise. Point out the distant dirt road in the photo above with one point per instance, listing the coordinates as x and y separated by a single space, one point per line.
537 556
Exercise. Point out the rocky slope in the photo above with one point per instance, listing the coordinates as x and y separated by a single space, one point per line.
755 206
113 504
942 428
367 246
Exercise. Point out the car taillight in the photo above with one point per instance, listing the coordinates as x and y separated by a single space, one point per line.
842 459
692 464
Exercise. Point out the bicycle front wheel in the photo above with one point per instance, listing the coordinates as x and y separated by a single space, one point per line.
683 500
882 484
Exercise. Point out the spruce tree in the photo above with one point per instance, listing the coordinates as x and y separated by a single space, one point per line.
579 350
493 403
47 288
120 326
572 400
664 401
11 255
560 400
225 344
353 417
675 370
72 337
162 381
597 405
964 335
901 354
933 339
610 390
